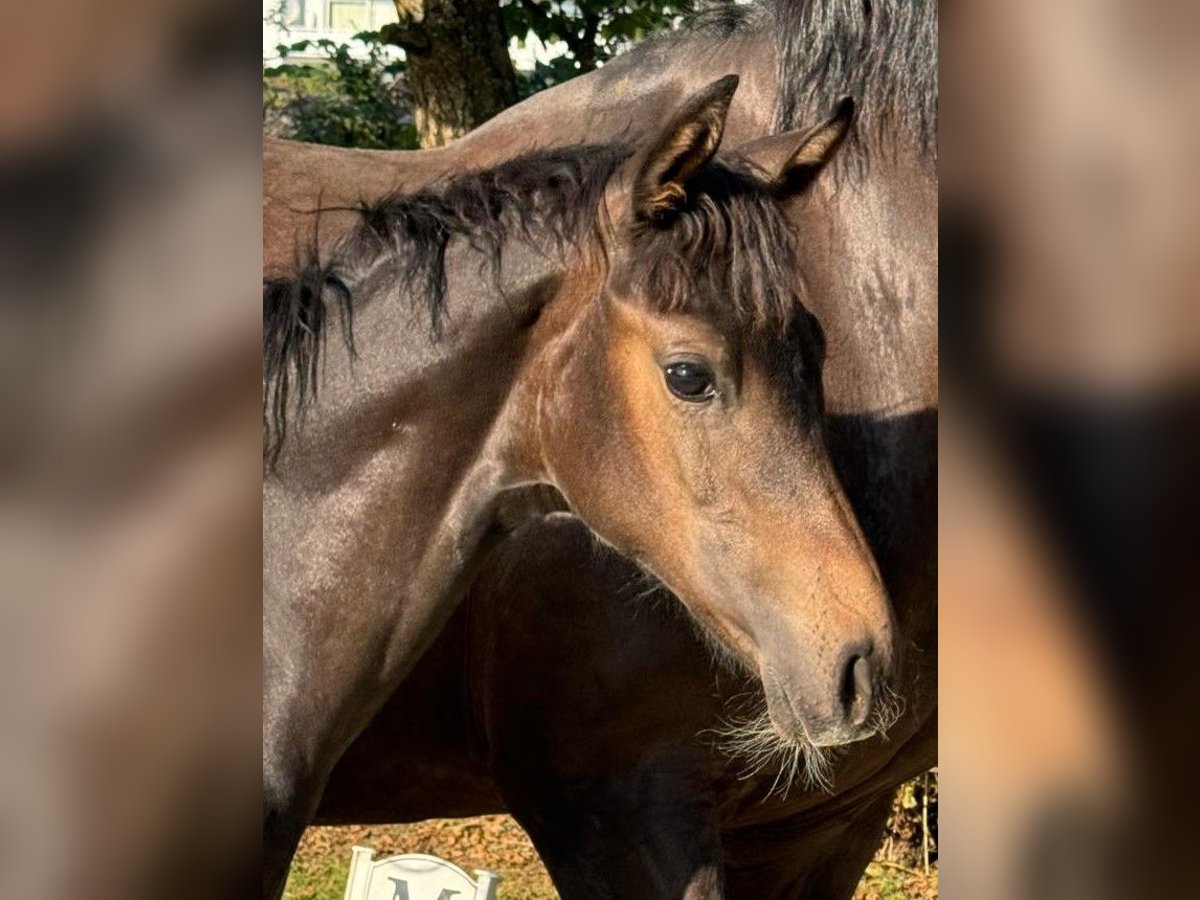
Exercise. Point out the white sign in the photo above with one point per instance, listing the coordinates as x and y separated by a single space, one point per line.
414 876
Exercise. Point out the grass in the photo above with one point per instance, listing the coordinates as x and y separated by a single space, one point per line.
884 881
497 842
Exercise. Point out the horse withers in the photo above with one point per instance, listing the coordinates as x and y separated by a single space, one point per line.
626 326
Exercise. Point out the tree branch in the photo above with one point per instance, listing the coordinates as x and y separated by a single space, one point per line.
411 37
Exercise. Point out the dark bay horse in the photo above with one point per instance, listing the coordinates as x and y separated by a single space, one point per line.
795 59
869 232
625 326
596 715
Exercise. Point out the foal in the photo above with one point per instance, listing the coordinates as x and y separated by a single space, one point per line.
624 326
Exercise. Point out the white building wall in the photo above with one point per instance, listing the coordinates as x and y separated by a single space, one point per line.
291 21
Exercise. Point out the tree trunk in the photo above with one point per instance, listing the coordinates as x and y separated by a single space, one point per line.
457 67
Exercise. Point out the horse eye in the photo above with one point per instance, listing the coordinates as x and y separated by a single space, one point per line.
691 381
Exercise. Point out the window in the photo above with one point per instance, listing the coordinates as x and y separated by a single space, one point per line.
360 15
349 15
383 12
288 13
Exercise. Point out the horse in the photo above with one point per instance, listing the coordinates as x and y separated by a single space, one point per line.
795 59
602 720
625 325
873 256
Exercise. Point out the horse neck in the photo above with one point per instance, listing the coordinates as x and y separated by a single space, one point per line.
299 179
388 493
875 293
410 383
642 85
610 104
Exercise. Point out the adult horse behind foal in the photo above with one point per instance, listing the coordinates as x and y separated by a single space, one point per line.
591 711
868 247
627 327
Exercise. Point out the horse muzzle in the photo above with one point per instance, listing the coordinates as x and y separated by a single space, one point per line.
827 706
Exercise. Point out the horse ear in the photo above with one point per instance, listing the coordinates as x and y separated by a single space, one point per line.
792 160
662 169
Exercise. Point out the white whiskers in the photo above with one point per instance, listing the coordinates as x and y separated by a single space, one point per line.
752 739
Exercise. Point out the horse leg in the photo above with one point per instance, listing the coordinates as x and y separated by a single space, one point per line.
651 835
825 861
282 829
289 803
304 733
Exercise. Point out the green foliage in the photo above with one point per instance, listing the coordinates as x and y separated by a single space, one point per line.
546 75
341 100
359 102
318 877
593 30
912 824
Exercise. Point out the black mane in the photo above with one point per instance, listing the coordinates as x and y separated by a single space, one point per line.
551 195
883 53
727 254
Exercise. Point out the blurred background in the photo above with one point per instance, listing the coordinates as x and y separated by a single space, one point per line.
1071 324
130 430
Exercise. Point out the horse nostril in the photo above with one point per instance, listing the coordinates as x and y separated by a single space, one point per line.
857 687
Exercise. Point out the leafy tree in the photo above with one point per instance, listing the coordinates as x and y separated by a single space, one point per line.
592 30
344 101
457 72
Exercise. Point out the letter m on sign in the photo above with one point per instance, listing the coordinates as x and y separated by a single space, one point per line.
414 876
401 892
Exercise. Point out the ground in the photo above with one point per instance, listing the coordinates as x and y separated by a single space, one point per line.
498 843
